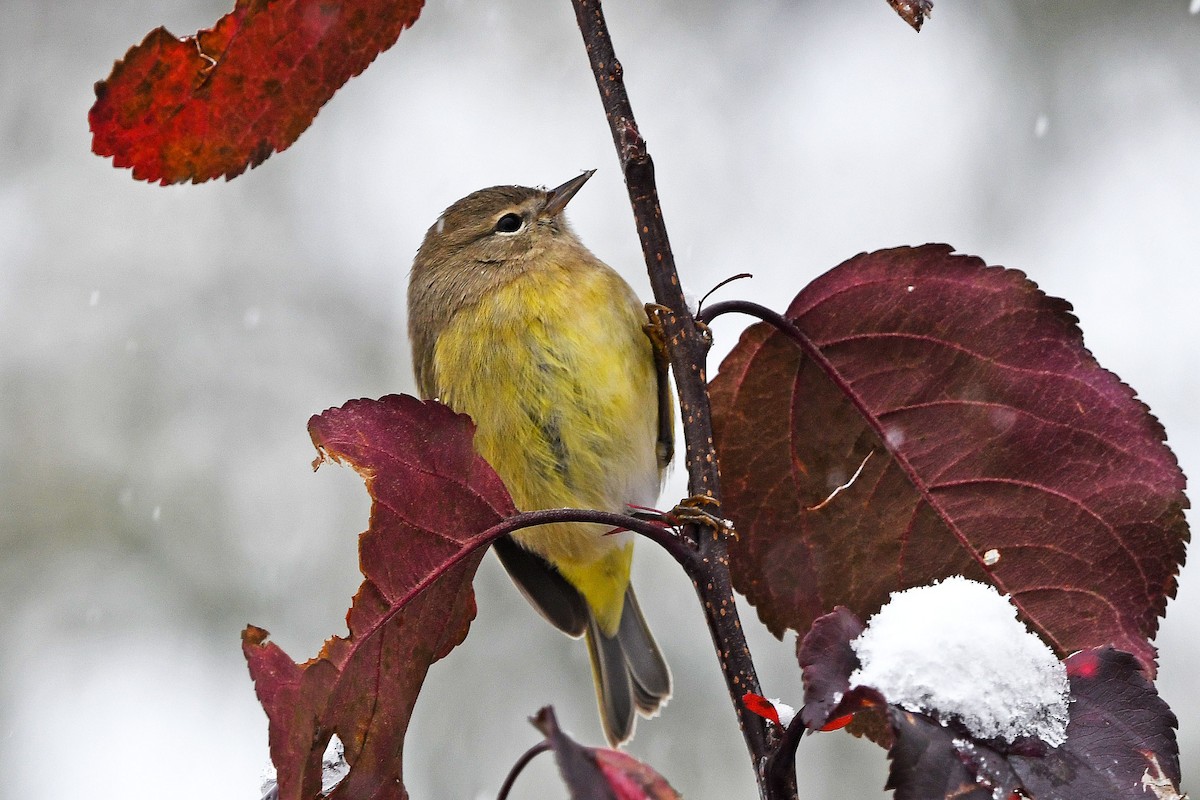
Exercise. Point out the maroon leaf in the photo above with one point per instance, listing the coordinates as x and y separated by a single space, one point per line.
598 773
227 98
830 702
1120 743
930 760
630 779
1120 739
1121 736
827 659
432 499
973 434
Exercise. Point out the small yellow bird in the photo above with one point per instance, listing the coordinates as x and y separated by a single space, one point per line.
514 322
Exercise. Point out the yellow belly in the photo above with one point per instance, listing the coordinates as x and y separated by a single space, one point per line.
559 378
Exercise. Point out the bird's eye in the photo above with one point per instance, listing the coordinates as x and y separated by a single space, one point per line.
509 223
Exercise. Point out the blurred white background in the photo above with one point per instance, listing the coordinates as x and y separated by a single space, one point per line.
163 348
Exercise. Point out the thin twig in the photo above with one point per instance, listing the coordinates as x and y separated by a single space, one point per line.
720 285
687 347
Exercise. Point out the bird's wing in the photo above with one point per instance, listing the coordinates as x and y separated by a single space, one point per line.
544 587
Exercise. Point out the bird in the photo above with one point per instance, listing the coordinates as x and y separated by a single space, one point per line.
513 321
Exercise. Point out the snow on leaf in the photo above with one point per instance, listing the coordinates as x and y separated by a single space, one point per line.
1120 741
1000 451
955 650
210 105
432 499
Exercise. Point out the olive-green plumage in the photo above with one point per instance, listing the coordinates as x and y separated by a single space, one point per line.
515 322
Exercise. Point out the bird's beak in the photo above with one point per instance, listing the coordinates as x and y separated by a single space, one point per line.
558 197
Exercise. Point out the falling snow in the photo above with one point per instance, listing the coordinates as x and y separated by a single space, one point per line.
1041 125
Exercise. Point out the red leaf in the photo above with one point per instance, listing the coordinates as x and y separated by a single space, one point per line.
225 99
986 442
837 723
598 773
432 498
630 779
1119 739
761 706
828 660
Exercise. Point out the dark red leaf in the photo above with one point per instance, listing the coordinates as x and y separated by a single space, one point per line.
830 703
598 773
1121 737
432 499
827 659
913 12
1120 744
978 437
225 99
578 768
930 760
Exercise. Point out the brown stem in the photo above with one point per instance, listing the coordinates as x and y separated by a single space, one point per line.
687 347
522 762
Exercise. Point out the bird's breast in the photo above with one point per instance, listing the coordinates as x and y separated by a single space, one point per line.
559 377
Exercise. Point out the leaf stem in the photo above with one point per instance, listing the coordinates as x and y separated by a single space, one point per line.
687 347
518 767
780 769
668 539
809 348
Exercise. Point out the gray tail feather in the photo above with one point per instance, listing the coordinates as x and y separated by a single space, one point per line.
647 668
614 689
630 672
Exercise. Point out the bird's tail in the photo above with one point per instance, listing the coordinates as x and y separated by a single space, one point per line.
630 672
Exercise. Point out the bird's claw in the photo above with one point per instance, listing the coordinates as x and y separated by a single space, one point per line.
704 511
656 331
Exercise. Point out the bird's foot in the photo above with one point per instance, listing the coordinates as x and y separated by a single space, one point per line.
657 331
704 511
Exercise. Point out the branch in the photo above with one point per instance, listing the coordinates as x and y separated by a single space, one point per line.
687 347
